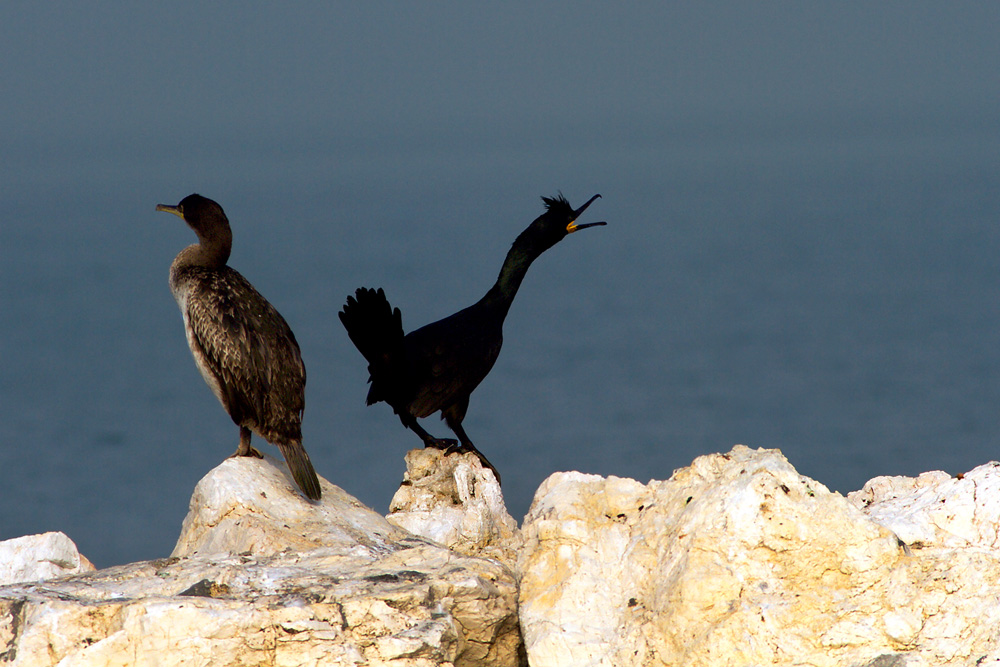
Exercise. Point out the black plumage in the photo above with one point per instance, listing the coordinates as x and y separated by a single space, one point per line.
437 367
242 346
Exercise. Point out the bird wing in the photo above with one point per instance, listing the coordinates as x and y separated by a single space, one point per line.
376 329
448 359
250 350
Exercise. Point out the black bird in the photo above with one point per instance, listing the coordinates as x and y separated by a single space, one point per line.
438 366
243 347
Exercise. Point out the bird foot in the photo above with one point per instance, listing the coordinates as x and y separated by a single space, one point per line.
249 451
455 448
448 445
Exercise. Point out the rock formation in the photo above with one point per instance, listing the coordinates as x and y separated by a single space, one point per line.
37 557
734 560
739 560
261 576
453 500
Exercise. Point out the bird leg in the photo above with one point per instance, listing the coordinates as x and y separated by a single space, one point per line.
449 445
410 422
245 449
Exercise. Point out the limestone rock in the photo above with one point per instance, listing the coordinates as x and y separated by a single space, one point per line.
346 589
252 505
739 560
936 509
454 501
38 557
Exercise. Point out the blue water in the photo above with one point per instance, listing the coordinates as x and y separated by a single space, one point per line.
835 296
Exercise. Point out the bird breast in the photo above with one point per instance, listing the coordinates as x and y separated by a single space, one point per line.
181 294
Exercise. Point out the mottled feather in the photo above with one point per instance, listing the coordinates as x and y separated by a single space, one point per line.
243 339
242 346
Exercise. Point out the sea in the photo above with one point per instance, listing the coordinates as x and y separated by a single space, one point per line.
832 292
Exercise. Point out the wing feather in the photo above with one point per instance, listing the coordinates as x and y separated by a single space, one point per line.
246 345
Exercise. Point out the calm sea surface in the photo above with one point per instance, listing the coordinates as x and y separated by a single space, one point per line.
837 298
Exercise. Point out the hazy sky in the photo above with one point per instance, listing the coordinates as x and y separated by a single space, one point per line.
81 76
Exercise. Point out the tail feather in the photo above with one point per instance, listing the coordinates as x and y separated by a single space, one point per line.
302 469
376 329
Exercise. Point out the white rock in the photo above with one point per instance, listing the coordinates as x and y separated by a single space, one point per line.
454 501
251 505
936 509
38 557
739 560
327 583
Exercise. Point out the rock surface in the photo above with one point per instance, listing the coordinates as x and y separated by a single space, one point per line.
739 560
735 560
936 509
38 557
251 505
268 578
454 501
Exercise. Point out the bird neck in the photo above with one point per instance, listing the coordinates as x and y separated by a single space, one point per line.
213 249
515 266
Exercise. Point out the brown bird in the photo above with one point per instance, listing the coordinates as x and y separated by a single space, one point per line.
243 347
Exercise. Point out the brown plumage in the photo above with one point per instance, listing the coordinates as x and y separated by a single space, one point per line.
242 346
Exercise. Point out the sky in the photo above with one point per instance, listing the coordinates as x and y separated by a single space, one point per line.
192 77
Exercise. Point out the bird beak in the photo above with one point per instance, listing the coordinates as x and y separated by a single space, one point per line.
176 210
573 227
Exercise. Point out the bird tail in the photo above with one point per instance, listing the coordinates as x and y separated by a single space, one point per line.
302 469
376 329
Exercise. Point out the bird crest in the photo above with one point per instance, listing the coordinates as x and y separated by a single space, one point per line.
558 204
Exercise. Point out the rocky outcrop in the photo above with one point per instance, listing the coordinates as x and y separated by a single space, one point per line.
248 505
936 510
734 560
38 557
261 576
739 560
454 501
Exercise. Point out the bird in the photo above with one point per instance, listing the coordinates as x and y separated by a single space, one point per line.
438 366
243 347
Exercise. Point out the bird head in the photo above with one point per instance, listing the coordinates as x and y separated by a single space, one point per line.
201 213
558 221
209 222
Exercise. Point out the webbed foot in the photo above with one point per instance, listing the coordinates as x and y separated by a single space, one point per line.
448 445
250 451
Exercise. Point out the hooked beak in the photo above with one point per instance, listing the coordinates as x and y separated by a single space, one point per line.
176 210
573 227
